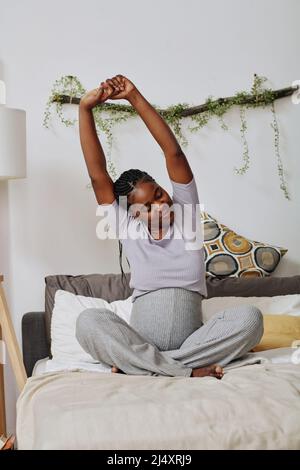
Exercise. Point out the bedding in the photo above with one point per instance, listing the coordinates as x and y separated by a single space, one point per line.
110 288
40 366
230 254
45 365
68 405
256 406
279 331
281 317
67 306
276 356
275 305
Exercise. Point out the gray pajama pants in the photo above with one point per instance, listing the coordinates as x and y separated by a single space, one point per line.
166 335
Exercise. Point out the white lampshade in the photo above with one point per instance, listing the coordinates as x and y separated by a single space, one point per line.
12 143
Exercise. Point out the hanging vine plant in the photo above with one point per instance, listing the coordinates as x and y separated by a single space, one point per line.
68 90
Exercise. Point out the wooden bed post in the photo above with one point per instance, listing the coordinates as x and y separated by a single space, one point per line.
10 339
2 400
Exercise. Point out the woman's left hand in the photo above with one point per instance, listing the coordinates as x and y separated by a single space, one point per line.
123 87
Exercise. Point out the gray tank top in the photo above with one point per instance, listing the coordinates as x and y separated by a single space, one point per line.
177 260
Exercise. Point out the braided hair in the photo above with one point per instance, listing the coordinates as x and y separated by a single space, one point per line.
123 187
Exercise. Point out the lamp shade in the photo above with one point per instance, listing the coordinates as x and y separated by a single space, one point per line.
12 143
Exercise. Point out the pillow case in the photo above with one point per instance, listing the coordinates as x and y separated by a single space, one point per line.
280 331
103 286
67 307
230 254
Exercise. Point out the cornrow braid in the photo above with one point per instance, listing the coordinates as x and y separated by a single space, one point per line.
127 181
123 187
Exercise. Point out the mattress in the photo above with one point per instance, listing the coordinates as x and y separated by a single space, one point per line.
254 406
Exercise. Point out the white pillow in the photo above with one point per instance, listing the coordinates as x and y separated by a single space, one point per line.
67 307
280 304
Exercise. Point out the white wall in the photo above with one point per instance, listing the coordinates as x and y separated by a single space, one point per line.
175 52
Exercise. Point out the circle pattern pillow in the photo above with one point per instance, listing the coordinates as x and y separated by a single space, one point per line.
230 254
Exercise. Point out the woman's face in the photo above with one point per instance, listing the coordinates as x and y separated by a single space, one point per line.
152 204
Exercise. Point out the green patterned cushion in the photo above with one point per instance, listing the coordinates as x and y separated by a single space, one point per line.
230 254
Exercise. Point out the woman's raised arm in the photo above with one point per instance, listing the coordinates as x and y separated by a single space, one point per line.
176 161
91 146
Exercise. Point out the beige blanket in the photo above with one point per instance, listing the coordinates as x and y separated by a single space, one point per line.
252 407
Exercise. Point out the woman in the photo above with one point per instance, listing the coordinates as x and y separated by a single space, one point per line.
166 335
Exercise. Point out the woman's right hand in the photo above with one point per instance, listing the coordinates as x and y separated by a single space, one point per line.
96 96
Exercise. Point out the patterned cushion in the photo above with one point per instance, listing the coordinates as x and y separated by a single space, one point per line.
230 254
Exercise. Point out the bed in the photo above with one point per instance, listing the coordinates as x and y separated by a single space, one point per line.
255 406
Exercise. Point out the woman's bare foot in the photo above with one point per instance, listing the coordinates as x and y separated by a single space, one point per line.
211 371
116 370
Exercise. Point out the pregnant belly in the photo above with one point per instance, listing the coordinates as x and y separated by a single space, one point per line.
166 317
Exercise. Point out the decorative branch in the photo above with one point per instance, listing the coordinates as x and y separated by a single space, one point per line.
257 100
69 90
